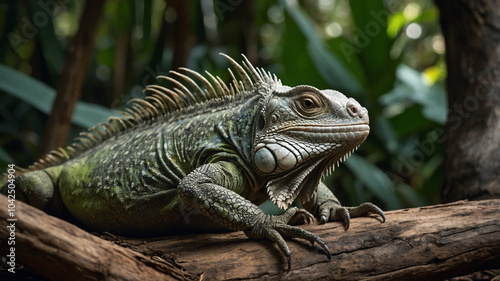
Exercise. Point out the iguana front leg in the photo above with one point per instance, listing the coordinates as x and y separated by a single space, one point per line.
328 208
210 189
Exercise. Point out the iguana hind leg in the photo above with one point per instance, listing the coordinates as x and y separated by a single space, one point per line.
38 188
35 188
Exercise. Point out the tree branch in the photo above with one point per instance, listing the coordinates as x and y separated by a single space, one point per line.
427 243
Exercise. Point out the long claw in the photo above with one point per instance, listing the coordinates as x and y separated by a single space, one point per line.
365 209
346 217
325 247
379 212
276 237
300 233
310 217
289 259
322 219
322 244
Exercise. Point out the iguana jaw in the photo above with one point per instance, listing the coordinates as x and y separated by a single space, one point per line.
305 177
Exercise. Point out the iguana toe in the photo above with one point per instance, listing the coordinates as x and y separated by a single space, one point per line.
336 213
274 227
331 211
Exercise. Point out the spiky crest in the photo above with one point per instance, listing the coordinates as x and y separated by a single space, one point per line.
161 102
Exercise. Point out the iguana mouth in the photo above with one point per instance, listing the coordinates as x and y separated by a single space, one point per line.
341 128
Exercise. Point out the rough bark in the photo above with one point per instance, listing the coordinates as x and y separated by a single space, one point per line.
72 78
472 150
427 243
59 250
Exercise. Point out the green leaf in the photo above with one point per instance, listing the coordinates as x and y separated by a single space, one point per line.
429 15
41 96
51 47
294 61
385 132
411 121
121 16
341 47
326 63
373 45
412 87
375 180
396 23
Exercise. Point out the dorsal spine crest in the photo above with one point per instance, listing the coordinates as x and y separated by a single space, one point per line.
162 101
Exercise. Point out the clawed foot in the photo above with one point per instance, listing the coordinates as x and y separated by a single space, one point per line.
274 227
331 211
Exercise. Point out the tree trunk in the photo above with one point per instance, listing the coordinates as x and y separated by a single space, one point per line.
181 32
427 243
472 150
72 77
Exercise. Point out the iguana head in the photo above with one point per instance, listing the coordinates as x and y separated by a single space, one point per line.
301 133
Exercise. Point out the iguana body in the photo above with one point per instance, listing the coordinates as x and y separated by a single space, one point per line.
220 151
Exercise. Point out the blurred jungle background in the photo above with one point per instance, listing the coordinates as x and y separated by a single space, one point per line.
388 55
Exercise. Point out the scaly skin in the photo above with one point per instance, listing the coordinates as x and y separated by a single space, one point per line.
218 153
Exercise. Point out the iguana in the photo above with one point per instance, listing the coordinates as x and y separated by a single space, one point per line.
219 149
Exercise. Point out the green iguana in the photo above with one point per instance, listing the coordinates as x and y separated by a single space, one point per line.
219 149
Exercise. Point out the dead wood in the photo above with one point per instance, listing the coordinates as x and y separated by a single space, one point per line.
427 243
59 250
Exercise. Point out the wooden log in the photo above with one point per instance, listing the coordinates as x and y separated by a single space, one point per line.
427 243
59 250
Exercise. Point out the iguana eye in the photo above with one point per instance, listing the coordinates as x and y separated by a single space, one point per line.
308 104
